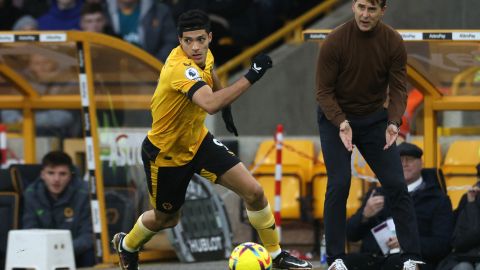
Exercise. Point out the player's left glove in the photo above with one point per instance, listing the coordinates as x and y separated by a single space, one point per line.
260 64
228 119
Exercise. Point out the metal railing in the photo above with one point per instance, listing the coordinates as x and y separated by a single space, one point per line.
293 28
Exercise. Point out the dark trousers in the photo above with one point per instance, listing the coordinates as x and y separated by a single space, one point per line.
369 139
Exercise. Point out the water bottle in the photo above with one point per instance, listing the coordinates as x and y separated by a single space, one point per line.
323 252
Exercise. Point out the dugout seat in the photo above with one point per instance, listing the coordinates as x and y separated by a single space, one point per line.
9 210
297 163
459 168
24 174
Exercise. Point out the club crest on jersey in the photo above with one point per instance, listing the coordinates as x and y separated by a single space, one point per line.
192 74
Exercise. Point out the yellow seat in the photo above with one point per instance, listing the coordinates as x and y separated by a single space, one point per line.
319 189
459 167
295 152
297 163
454 182
361 166
462 157
357 186
290 204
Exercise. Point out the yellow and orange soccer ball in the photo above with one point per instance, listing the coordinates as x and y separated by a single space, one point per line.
250 256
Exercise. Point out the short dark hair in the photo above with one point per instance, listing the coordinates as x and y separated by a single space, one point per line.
373 2
57 158
192 20
90 8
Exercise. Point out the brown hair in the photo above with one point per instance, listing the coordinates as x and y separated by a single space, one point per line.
382 3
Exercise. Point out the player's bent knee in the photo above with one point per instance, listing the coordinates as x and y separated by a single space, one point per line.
164 220
255 195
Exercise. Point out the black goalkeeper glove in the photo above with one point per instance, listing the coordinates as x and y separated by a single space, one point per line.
260 64
228 119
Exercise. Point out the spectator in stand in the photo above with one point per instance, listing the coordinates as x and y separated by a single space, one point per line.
147 24
49 77
36 8
62 15
60 200
466 236
25 23
434 218
93 19
9 14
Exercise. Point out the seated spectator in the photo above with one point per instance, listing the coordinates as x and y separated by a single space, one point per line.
60 200
466 236
36 8
62 15
9 14
25 23
93 19
147 24
434 218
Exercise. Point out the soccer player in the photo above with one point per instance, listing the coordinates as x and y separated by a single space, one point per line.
179 145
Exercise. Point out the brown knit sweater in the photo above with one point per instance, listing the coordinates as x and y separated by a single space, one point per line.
356 68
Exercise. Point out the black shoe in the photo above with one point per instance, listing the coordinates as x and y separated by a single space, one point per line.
286 261
127 260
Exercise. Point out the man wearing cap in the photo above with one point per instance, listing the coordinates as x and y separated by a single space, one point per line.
432 208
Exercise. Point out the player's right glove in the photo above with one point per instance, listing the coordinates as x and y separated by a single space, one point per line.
260 64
